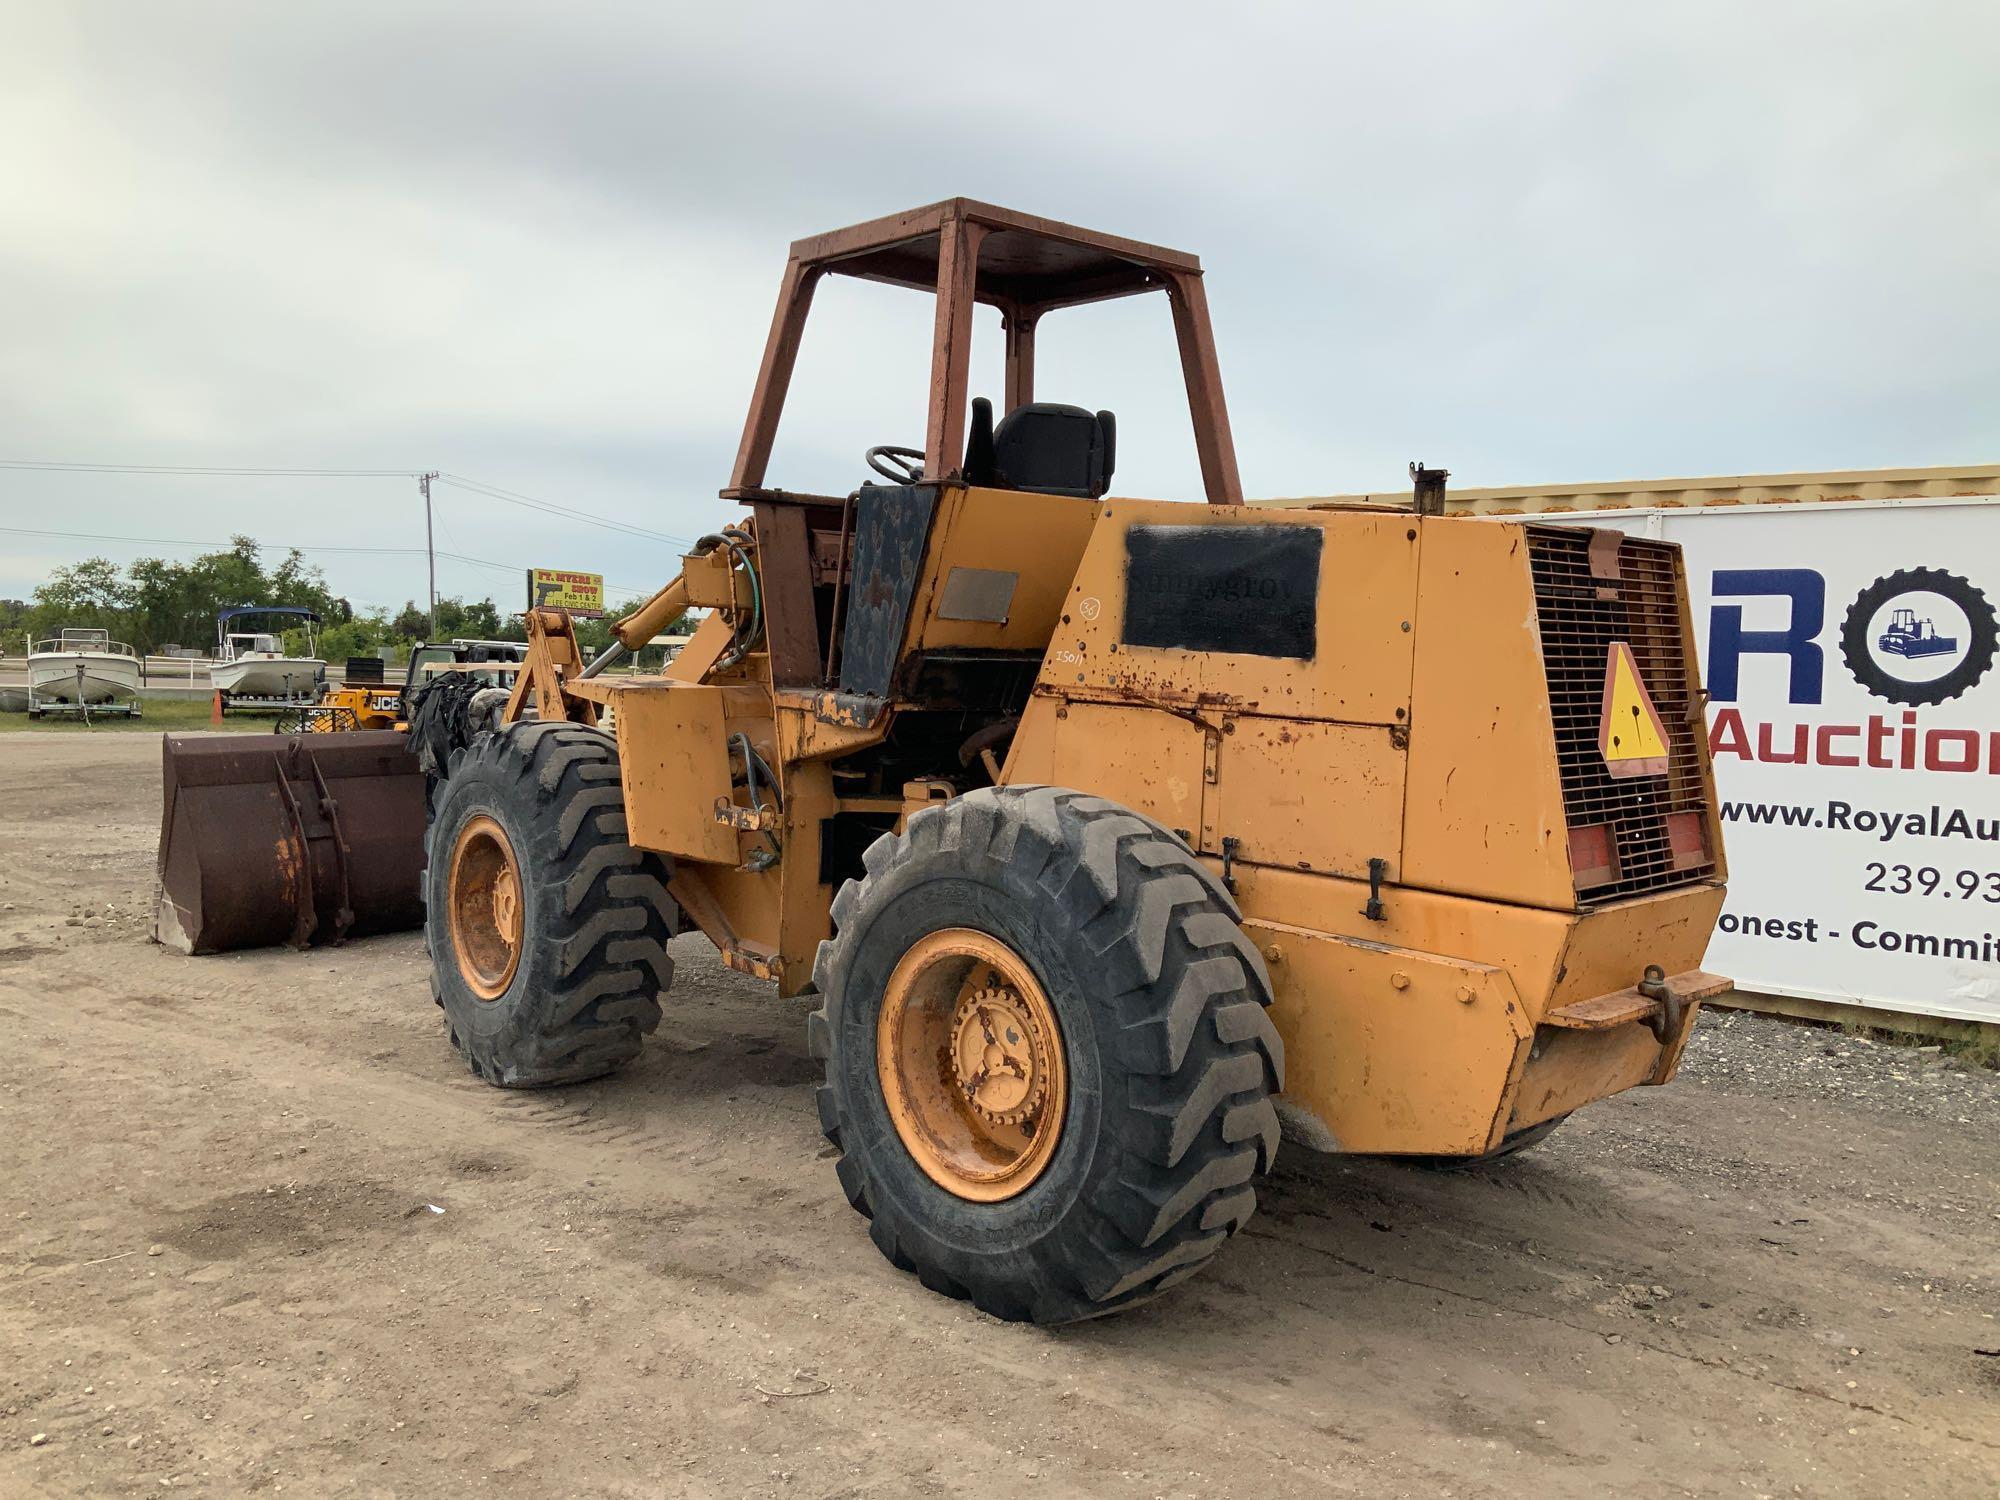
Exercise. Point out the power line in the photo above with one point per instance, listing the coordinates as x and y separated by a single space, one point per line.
550 507
461 481
629 590
80 468
181 541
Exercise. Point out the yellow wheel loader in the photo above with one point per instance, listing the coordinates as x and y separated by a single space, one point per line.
1105 833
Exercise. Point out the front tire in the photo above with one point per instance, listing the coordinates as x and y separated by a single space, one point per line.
547 930
1101 1084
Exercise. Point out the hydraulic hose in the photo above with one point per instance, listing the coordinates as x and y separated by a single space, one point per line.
739 543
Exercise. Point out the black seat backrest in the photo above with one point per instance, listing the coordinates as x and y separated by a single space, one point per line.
1050 449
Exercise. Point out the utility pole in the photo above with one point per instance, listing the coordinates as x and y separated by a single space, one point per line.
430 549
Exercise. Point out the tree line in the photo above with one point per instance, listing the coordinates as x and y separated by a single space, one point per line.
155 603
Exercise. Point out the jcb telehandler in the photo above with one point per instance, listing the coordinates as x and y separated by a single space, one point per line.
1105 832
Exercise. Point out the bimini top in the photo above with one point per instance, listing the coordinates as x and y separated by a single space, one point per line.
222 620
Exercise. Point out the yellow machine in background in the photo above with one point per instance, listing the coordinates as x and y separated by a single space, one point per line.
1103 830
351 706
360 704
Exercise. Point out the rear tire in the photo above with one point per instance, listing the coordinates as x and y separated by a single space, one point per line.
1169 1059
549 954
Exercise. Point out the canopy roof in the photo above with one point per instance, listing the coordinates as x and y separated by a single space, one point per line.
1024 261
965 252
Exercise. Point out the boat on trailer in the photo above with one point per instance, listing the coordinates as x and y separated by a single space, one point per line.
82 671
251 665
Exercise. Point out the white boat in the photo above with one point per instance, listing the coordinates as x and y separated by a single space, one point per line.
253 664
82 669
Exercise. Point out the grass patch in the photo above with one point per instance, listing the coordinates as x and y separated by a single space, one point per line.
1971 1042
158 714
1974 1043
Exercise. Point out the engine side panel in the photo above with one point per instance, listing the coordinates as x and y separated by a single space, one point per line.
1417 734
1360 609
1308 795
1485 809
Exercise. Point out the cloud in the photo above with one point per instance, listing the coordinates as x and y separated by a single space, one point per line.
538 245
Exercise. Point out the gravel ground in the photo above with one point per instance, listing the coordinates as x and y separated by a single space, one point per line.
223 1268
1738 1051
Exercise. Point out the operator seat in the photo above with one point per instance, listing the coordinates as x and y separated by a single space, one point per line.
1044 448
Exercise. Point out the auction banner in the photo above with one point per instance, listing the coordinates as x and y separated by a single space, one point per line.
1854 715
579 593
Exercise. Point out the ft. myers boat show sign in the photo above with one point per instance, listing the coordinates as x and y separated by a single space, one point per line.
554 588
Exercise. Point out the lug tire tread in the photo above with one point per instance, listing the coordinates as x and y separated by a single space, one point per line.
1190 1124
606 916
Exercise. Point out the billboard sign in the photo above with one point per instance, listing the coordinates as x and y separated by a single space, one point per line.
554 588
1854 716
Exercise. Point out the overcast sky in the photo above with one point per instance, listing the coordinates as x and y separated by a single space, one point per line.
538 246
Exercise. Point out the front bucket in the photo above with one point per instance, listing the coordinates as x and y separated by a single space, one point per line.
298 839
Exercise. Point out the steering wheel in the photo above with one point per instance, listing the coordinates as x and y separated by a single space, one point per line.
897 465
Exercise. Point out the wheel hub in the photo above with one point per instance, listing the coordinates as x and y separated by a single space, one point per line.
998 1054
487 911
971 1063
507 901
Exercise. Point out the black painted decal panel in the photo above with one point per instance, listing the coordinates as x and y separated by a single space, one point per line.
1247 589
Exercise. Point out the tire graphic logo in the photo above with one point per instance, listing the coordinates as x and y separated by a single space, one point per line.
1918 636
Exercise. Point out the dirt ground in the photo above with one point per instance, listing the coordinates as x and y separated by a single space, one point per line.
260 1232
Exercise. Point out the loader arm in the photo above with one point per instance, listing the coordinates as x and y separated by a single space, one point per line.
547 678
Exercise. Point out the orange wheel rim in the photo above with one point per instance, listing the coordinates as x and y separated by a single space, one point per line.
486 907
972 1065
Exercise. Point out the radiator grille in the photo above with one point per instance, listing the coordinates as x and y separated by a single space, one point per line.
1655 827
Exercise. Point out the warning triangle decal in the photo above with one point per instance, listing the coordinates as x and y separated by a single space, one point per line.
1630 733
